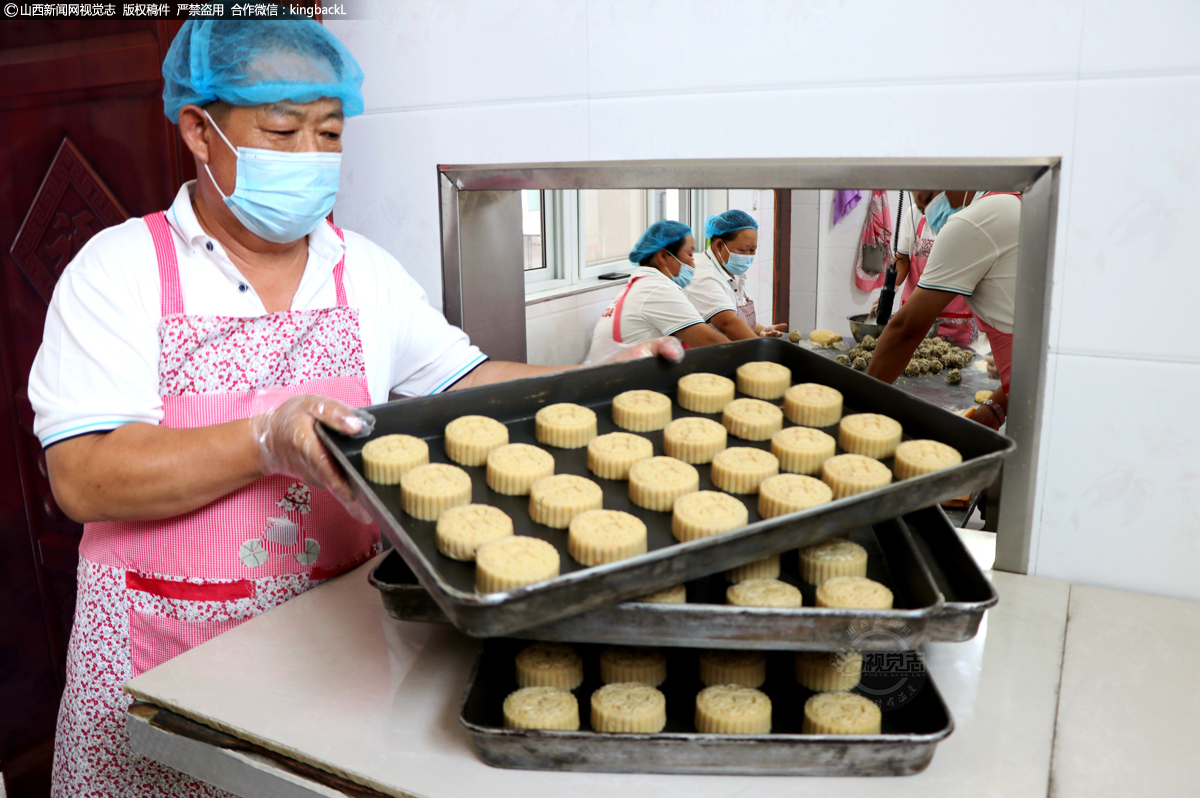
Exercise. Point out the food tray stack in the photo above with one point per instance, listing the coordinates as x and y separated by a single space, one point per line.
667 562
592 604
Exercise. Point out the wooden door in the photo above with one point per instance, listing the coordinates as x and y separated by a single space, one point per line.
85 97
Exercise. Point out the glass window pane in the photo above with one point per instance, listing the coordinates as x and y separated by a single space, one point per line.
531 227
613 220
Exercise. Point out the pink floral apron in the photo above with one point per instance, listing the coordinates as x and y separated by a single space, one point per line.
957 323
150 590
745 311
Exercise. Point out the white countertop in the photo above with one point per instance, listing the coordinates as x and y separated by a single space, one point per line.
330 679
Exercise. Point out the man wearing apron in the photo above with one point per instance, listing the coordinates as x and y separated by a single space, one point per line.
718 291
975 258
186 358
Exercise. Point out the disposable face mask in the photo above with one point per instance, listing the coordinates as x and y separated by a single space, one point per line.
938 211
684 278
737 264
281 196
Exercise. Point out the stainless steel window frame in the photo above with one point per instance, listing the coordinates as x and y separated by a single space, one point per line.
483 284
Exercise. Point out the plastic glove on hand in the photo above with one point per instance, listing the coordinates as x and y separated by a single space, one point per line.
668 348
287 443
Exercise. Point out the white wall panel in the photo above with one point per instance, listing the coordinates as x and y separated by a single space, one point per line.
1122 505
389 189
1153 37
984 119
1132 242
437 53
682 47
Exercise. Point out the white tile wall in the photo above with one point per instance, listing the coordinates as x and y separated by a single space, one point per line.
389 188
1133 219
803 43
442 53
1123 507
1109 86
1159 39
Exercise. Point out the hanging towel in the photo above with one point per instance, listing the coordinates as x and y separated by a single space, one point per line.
844 200
874 249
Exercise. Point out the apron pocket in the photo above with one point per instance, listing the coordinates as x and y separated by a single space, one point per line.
154 639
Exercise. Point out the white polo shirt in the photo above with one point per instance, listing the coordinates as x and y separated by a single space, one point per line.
97 367
653 307
712 290
975 255
910 220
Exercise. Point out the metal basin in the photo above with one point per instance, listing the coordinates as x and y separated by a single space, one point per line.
859 328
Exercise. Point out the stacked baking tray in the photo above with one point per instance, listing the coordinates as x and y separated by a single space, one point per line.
940 594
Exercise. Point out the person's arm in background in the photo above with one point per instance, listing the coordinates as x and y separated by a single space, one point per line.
702 335
771 331
492 371
904 332
731 326
734 328
902 266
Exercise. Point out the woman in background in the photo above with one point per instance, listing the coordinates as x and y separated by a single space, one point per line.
956 323
653 303
718 291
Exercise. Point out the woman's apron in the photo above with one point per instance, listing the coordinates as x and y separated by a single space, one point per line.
745 310
150 590
956 323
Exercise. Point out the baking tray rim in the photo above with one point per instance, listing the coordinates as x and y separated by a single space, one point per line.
477 600
850 613
876 739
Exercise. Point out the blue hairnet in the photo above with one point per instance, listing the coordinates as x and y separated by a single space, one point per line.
728 222
253 63
657 236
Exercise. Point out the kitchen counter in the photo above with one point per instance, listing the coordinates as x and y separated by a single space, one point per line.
331 680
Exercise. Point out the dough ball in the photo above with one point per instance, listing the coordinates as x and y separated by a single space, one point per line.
953 377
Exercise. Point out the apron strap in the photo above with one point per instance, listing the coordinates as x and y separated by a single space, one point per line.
617 309
340 270
920 229
1016 194
168 264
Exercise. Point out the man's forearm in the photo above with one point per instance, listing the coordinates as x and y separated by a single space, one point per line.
895 347
142 472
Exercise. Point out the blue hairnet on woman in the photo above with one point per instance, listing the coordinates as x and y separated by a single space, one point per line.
652 303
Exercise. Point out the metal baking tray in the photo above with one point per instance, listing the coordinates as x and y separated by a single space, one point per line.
915 720
707 621
968 593
667 562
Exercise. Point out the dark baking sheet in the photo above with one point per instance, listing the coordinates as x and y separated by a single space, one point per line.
967 591
667 562
915 719
706 620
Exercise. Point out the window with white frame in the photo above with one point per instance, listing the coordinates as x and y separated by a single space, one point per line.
578 238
